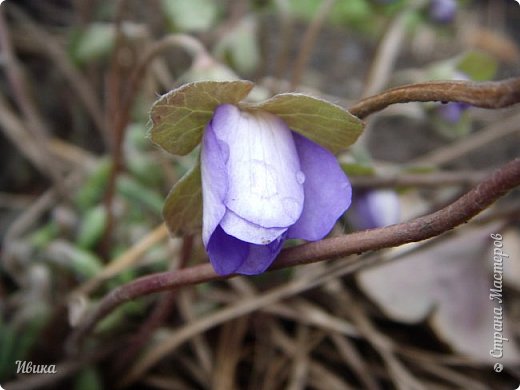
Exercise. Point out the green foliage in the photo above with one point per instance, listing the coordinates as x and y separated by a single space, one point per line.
95 42
478 65
182 210
94 187
179 117
356 169
88 379
139 194
92 227
16 340
325 123
190 15
353 13
240 47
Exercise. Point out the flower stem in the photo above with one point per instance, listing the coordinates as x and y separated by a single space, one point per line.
491 94
473 202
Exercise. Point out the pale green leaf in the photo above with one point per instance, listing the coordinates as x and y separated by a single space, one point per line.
190 15
322 122
179 117
478 65
182 210
240 46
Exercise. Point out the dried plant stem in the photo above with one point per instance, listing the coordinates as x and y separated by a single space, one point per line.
158 315
79 83
35 123
422 228
122 115
125 260
386 55
308 41
492 94
484 137
434 179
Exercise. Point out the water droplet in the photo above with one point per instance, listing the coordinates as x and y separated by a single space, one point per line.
300 177
292 208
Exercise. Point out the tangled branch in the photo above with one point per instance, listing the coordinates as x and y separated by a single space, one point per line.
492 94
473 202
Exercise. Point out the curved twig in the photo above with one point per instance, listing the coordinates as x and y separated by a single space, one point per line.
491 94
473 202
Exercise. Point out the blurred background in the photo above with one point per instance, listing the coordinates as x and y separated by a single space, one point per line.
82 190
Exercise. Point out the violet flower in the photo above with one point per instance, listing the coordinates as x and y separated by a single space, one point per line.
443 11
452 111
374 208
262 184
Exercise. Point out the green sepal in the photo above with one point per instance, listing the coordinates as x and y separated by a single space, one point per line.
179 117
182 211
318 120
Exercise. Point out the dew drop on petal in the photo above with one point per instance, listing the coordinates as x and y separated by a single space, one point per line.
291 207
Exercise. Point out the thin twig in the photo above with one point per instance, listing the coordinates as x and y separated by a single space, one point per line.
434 179
20 89
422 228
79 83
124 261
483 138
386 54
308 41
158 315
491 94
122 117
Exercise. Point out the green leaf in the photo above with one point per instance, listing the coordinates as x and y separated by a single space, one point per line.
138 193
179 117
92 227
478 65
182 210
322 122
240 46
355 169
190 15
95 42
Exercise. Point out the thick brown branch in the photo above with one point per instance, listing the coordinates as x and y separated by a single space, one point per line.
422 228
492 94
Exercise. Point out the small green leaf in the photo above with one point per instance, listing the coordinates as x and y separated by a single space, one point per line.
182 210
478 65
240 46
190 15
324 123
356 169
179 117
93 43
92 227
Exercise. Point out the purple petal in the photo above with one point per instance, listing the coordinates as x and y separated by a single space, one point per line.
372 209
214 182
230 255
261 257
327 191
443 11
262 169
247 231
226 253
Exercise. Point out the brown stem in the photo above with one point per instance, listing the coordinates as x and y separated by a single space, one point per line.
308 41
491 94
122 117
434 179
473 202
158 315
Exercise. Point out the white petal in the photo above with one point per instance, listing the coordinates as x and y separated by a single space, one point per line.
264 177
246 231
